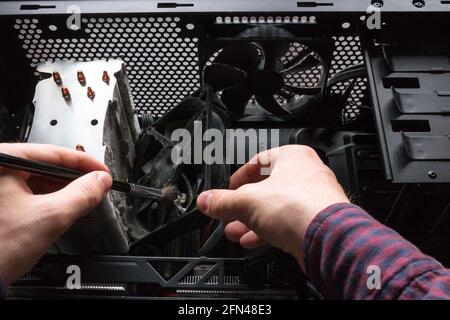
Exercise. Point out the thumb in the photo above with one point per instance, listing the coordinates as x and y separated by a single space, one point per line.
82 195
224 205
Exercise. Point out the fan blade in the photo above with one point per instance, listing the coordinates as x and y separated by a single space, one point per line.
307 63
242 55
356 71
236 99
269 103
346 94
296 60
273 52
308 91
222 76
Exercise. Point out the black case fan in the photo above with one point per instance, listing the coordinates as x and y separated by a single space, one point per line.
261 69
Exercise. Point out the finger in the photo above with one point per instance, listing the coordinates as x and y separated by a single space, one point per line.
251 240
256 170
55 155
80 196
235 230
224 205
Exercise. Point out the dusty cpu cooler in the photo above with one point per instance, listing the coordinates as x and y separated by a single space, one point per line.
86 106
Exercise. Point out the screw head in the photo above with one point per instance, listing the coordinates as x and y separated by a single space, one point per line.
419 3
432 174
377 3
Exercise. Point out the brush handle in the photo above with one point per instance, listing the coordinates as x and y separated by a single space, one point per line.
50 170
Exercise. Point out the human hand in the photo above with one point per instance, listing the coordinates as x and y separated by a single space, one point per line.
35 211
276 209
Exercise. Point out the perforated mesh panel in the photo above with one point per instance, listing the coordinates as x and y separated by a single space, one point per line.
348 53
161 61
162 65
305 79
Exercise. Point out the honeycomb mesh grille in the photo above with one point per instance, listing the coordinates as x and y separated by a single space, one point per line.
162 65
162 61
346 54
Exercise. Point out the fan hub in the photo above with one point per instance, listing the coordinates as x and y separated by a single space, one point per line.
264 82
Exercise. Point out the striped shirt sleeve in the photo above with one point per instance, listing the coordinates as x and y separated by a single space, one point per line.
349 255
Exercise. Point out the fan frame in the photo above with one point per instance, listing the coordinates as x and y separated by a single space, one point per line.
321 44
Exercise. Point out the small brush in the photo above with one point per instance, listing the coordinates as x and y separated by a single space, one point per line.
169 192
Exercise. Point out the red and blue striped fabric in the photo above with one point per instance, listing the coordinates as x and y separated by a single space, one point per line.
343 243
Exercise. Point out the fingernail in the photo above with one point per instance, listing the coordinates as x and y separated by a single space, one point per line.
105 178
203 201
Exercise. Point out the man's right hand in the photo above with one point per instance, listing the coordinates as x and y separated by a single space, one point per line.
276 209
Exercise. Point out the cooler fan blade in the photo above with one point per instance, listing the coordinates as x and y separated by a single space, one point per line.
269 103
243 56
221 76
302 91
307 63
273 52
236 99
356 71
296 60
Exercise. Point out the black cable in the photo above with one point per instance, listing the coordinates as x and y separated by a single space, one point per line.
213 240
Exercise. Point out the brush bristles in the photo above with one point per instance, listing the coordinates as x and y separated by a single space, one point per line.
170 192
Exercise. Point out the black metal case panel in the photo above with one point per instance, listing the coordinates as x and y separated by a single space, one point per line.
410 94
